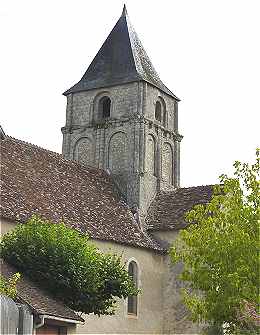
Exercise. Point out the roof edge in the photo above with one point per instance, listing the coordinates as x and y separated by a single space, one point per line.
68 92
2 133
159 250
78 320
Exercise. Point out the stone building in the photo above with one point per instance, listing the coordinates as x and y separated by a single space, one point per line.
122 118
118 180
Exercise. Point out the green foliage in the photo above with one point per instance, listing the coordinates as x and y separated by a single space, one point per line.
8 286
220 249
63 261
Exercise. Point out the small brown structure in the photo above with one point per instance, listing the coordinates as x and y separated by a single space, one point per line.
43 313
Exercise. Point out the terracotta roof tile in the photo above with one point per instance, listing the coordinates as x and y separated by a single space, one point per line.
168 209
39 300
38 181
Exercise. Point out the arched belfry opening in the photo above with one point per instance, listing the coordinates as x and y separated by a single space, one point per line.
164 118
158 111
105 107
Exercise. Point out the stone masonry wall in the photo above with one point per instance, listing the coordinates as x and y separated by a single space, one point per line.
154 95
130 143
82 112
166 136
176 316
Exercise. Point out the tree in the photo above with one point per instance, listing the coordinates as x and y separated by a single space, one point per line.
8 286
220 250
63 261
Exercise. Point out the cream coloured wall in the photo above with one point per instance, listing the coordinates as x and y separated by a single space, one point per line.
72 330
149 318
160 309
6 225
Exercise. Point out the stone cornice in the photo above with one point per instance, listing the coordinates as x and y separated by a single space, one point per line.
111 122
165 131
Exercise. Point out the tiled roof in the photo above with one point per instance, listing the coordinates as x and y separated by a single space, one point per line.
168 209
121 59
2 133
39 300
38 181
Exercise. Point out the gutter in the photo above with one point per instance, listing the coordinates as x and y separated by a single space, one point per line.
43 317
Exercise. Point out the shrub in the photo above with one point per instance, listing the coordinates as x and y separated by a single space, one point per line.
62 260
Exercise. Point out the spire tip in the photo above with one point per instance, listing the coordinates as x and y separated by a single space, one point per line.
124 12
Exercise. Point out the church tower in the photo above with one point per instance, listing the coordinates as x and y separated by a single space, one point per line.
121 118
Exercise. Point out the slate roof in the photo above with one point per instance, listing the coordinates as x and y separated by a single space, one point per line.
39 300
121 59
168 209
38 181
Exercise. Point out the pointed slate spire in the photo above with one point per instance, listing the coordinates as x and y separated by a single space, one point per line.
121 59
124 12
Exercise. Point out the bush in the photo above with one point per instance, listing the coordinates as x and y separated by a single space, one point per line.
63 261
8 286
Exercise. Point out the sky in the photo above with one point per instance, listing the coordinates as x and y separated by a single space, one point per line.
207 52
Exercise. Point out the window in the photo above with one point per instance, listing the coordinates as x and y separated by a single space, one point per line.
167 163
104 107
83 151
151 155
132 300
164 118
158 111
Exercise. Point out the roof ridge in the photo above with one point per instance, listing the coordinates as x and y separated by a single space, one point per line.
124 12
183 188
121 59
32 145
197 186
57 155
137 47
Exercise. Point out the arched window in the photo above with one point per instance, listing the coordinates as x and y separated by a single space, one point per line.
151 155
117 153
164 117
132 300
83 151
158 111
167 163
104 107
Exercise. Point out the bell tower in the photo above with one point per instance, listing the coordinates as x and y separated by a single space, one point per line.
120 117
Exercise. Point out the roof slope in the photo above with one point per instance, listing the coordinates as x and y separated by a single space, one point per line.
39 300
38 181
121 59
168 209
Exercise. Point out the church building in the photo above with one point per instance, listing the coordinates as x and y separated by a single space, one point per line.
117 180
